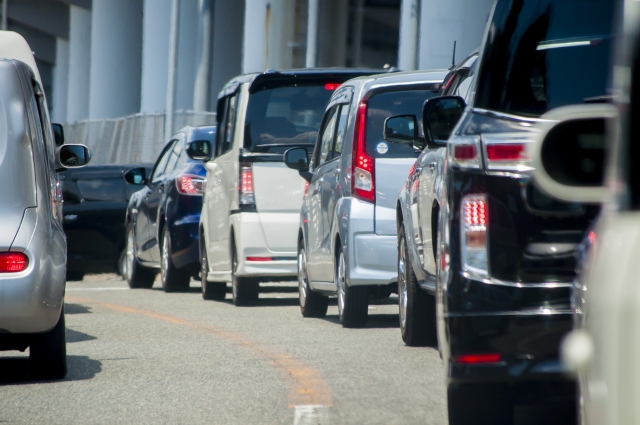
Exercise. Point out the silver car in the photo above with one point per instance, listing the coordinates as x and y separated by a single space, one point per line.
32 243
347 243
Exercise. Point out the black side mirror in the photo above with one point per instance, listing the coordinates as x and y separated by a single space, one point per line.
298 159
439 117
72 156
403 129
58 134
137 176
200 150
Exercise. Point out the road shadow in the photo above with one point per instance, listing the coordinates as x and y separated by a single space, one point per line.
15 370
77 336
70 308
374 321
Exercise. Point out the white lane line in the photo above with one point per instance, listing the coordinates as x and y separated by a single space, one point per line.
311 415
110 288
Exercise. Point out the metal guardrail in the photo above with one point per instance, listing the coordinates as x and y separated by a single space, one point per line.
132 139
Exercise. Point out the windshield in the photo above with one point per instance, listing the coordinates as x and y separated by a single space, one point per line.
543 54
285 116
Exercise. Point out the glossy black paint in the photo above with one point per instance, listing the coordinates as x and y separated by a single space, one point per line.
94 219
159 204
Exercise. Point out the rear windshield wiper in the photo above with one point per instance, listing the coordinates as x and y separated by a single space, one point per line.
606 98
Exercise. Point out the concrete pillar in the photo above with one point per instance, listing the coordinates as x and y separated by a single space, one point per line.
332 33
356 33
227 54
155 55
116 58
187 53
409 35
203 62
79 64
312 34
254 49
444 21
60 82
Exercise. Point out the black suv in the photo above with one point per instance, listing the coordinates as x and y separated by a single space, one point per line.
505 249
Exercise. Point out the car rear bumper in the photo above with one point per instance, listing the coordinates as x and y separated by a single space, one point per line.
185 242
372 260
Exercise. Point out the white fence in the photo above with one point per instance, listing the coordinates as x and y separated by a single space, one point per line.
131 139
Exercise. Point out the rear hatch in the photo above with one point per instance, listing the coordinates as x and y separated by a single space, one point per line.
392 160
283 113
17 173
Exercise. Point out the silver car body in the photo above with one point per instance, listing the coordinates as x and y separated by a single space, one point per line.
30 301
332 217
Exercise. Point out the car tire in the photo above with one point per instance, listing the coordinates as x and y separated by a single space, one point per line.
74 276
479 404
136 275
210 290
353 301
48 353
171 278
245 290
312 304
417 309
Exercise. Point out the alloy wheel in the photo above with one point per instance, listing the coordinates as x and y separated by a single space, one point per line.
402 284
129 256
164 261
341 283
302 277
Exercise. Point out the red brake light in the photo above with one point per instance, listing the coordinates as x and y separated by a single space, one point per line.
245 187
465 152
259 259
12 262
506 152
190 185
478 358
475 212
363 178
331 86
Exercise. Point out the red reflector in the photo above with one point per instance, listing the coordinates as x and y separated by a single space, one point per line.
505 152
331 86
259 259
465 152
477 358
12 262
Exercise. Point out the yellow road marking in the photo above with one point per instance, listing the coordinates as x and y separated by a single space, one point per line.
306 385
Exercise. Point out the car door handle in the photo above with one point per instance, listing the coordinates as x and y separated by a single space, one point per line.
432 166
336 171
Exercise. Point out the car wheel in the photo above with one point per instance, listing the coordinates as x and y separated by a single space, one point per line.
479 404
245 290
312 304
48 353
353 301
417 308
137 276
172 278
210 290
74 276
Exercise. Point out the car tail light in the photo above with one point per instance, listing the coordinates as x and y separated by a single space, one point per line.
474 222
190 185
331 86
464 151
245 186
259 259
363 177
478 358
12 262
507 152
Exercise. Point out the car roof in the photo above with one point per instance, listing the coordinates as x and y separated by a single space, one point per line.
407 78
14 46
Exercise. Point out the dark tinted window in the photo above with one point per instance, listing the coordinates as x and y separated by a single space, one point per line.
542 54
103 189
385 105
285 116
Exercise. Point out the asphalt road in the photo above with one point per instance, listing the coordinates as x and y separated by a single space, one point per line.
146 357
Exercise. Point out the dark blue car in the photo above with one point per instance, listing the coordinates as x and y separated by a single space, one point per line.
162 218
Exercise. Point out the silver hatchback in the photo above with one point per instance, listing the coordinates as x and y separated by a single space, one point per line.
32 243
347 243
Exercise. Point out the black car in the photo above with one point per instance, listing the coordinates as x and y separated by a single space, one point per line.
163 217
505 249
95 204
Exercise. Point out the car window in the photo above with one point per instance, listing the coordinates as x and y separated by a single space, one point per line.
173 159
341 131
230 124
95 190
545 54
161 164
222 115
327 135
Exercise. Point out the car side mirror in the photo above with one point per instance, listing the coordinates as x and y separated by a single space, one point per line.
298 159
58 134
137 176
569 152
439 117
403 129
200 150
72 156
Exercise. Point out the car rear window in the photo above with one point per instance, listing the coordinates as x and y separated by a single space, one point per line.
543 54
102 189
389 104
285 116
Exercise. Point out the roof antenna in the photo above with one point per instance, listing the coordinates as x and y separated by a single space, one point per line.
454 54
